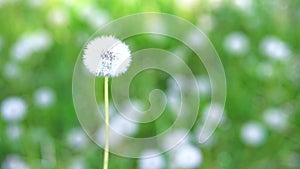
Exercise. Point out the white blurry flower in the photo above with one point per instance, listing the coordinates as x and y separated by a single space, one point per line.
195 38
236 43
153 162
77 139
175 138
106 56
244 5
58 16
94 16
11 70
115 139
13 109
14 162
213 114
44 97
123 126
133 110
253 134
31 43
77 163
13 132
276 119
186 156
203 85
272 47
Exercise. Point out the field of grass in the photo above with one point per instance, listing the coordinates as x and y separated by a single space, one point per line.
258 45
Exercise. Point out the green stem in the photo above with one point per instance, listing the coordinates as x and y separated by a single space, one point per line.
106 149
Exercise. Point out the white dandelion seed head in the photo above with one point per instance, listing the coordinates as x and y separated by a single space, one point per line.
106 56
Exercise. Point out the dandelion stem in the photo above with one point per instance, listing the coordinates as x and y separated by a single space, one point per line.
106 149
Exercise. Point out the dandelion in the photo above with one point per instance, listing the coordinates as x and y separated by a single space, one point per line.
253 134
77 139
274 48
276 119
175 138
236 43
13 109
106 56
31 43
186 156
109 57
14 162
156 162
243 5
44 97
77 163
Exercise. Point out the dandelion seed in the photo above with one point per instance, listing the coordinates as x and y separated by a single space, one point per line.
106 56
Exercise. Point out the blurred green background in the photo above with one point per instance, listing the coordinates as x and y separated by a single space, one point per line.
258 44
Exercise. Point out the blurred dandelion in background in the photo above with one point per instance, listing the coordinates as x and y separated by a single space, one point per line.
272 47
13 109
29 44
236 43
14 162
253 134
44 97
156 162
